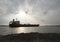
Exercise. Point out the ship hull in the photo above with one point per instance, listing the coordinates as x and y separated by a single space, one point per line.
22 25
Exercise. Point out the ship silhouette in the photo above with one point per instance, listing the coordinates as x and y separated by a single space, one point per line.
15 23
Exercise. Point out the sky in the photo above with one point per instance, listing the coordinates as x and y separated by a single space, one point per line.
43 12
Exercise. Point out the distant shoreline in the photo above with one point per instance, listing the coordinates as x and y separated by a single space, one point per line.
43 26
4 25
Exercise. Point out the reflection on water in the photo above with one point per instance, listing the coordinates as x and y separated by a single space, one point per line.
8 30
23 30
20 30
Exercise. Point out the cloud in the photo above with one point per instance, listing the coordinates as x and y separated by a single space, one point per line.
46 11
45 4
9 6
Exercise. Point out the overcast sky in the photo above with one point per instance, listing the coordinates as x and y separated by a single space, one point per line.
41 11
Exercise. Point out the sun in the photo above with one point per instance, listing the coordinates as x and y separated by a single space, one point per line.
25 18
21 14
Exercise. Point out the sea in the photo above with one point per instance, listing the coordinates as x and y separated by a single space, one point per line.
16 30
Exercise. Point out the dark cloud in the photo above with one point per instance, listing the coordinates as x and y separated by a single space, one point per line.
45 13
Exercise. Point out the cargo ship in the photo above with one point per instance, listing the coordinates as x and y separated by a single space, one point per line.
16 23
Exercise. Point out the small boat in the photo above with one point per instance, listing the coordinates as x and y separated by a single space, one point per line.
17 24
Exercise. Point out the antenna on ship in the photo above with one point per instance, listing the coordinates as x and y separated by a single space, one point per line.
13 20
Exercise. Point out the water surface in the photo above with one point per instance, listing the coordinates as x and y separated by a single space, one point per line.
41 29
